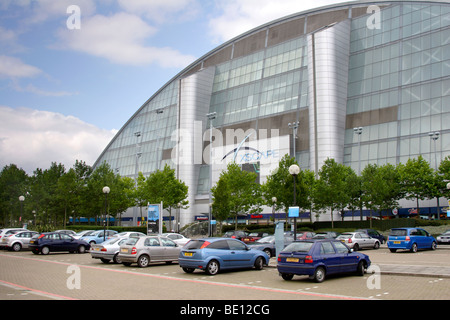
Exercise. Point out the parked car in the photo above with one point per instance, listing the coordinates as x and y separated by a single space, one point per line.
444 238
326 235
318 258
305 235
97 236
358 240
254 236
144 250
55 242
69 232
108 250
374 234
129 234
81 234
267 244
19 240
235 234
411 239
177 238
8 232
214 254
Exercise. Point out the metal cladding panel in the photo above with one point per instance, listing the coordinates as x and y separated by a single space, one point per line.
328 57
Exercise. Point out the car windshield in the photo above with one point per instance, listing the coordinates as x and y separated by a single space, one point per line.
398 232
112 241
299 247
90 233
194 244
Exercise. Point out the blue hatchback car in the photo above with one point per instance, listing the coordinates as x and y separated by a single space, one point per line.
96 237
411 239
318 258
214 254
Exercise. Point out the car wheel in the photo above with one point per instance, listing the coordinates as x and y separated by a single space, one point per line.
287 276
81 249
212 268
91 243
104 260
126 264
116 258
188 270
393 250
376 245
45 250
17 247
143 261
259 263
360 268
355 247
319 275
268 252
433 246
414 247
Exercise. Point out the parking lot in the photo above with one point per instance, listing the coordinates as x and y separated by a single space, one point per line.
397 276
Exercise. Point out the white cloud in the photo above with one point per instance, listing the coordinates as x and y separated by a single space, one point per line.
161 10
33 139
12 67
121 39
238 16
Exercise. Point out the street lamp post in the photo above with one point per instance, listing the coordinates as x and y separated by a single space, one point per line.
434 136
211 116
358 131
21 199
274 201
294 170
106 190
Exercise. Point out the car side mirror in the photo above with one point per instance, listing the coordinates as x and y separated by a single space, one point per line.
351 250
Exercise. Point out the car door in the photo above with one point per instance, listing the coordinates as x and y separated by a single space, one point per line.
171 250
424 239
329 258
67 243
154 248
366 241
53 241
348 262
240 256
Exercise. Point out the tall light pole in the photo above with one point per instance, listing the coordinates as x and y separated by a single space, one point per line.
21 199
294 170
106 190
434 136
211 116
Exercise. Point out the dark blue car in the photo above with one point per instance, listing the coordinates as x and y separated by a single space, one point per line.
215 254
56 242
318 258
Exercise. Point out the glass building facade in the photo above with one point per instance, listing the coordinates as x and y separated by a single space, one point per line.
383 67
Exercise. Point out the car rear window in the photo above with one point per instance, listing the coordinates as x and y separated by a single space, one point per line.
298 247
398 232
131 241
194 244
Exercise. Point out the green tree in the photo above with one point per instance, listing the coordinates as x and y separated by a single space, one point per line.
330 190
243 192
163 186
382 188
417 179
13 184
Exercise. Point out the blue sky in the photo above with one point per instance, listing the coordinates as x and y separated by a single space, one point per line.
65 92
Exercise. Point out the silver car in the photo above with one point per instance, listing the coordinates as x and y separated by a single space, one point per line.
18 241
358 240
108 250
144 250
6 233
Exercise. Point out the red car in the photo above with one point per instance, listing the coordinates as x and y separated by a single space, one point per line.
252 237
304 235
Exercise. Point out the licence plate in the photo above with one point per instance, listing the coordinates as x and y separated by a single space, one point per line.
124 250
32 241
96 249
397 242
188 254
292 259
